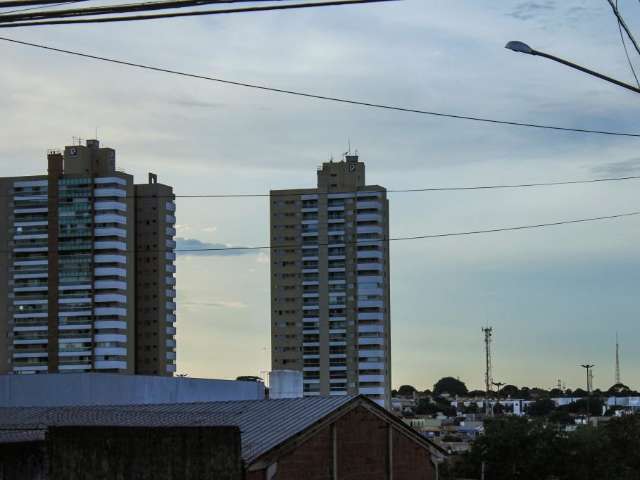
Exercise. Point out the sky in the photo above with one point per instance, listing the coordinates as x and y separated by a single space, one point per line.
555 297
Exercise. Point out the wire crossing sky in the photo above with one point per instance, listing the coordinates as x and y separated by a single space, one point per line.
322 97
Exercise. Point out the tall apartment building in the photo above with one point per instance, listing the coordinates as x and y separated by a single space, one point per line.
86 269
330 305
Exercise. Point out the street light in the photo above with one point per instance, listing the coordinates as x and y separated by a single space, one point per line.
522 47
588 367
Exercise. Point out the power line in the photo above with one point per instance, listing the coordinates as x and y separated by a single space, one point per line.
277 194
316 96
157 16
626 51
39 6
23 3
299 246
428 236
623 24
130 7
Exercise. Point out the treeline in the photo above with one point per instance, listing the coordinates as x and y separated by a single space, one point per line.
519 448
450 386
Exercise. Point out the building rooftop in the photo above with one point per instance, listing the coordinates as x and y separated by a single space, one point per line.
264 424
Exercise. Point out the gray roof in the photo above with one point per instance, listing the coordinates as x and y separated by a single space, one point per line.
264 424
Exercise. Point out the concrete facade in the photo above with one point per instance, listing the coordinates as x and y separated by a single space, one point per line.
330 292
70 272
74 389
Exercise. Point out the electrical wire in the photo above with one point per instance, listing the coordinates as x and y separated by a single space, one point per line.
276 194
157 16
38 6
122 8
623 24
299 246
26 3
319 97
626 51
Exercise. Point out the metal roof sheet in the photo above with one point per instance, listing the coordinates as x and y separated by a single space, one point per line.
264 424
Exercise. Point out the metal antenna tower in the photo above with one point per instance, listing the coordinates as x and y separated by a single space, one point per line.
618 380
488 376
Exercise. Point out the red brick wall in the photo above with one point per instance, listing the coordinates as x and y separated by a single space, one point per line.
362 454
410 461
362 446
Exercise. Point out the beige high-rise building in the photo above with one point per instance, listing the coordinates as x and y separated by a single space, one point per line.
86 269
330 302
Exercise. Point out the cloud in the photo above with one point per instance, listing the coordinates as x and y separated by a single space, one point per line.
210 229
195 103
216 303
625 167
209 249
529 10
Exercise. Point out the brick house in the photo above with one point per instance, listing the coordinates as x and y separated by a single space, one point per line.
311 438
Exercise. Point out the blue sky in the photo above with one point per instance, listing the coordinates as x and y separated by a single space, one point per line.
555 297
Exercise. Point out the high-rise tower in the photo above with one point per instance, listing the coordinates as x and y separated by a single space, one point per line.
69 271
330 300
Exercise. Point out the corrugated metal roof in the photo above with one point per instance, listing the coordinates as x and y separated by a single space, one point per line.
264 424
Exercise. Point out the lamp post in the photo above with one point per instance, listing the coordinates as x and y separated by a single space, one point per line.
522 47
588 367
499 385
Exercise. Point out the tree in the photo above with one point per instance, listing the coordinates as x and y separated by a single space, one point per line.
509 391
556 392
450 385
406 391
619 389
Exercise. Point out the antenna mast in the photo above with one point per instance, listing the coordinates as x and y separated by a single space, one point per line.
617 361
488 377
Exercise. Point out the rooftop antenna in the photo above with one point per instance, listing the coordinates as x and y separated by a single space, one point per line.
488 376
349 151
618 380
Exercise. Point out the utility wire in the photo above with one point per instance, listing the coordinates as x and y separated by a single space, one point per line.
37 7
626 51
300 246
316 96
130 7
276 194
157 16
28 3
623 24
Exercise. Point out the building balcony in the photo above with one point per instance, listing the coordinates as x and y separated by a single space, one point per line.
110 245
110 298
111 337
110 259
371 366
371 341
110 325
110 312
120 206
110 272
111 232
111 351
111 218
111 364
371 391
109 192
110 285
110 181
31 368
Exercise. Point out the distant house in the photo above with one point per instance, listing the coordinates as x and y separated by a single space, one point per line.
307 438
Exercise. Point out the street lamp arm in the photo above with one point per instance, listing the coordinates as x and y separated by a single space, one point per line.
587 70
521 47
